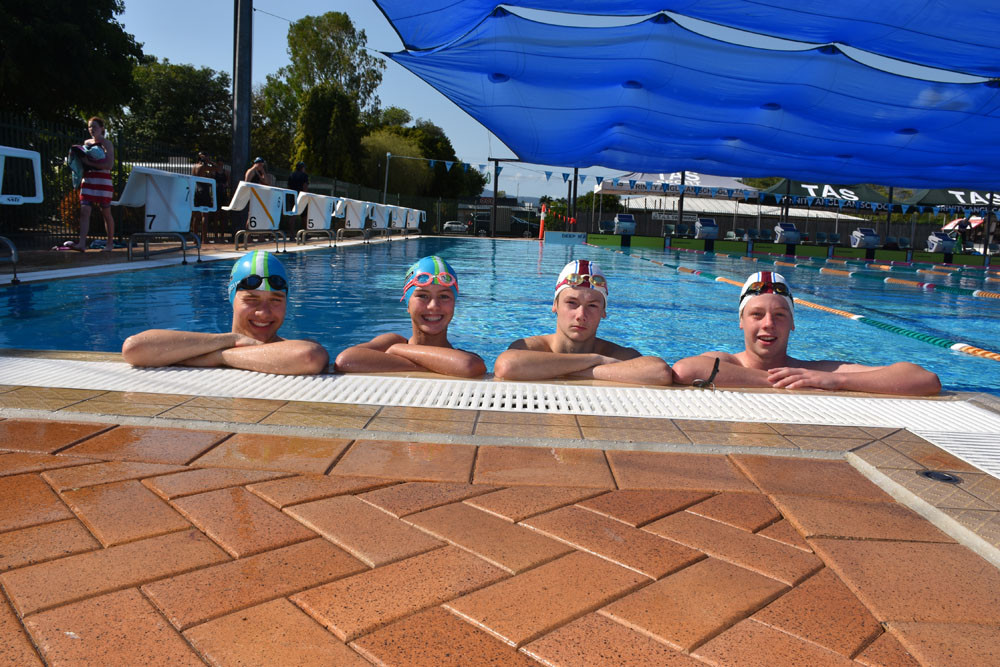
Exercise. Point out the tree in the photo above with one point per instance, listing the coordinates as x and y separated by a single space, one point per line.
408 177
434 144
60 59
328 48
607 204
274 116
328 134
180 105
394 117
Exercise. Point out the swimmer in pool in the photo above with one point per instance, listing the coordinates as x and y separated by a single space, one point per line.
430 290
766 317
574 350
258 292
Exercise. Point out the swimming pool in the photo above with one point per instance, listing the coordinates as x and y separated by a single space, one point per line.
346 295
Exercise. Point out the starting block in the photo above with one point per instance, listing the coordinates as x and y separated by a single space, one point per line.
169 201
356 214
11 199
413 219
266 206
318 211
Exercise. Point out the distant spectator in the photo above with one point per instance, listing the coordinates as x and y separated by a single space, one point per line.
221 198
204 168
299 179
96 188
257 173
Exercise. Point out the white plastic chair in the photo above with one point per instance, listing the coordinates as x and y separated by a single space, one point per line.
169 201
266 205
318 211
13 199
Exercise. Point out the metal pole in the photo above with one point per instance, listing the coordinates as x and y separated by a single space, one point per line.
888 216
986 232
600 214
242 52
569 202
680 201
496 195
593 203
786 205
576 180
385 185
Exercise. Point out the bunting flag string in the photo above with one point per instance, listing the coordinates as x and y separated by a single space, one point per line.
583 177
565 177
447 165
600 179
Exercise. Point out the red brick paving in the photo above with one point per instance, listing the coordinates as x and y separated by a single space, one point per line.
436 554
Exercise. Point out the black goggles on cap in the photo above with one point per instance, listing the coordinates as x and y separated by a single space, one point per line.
253 281
760 287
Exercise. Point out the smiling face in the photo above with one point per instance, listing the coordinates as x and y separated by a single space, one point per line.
767 322
258 313
578 313
431 308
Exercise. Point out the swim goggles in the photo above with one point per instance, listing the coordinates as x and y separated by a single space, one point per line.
253 281
760 287
596 281
422 279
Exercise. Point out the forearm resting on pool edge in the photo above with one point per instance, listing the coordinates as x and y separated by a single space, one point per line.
161 347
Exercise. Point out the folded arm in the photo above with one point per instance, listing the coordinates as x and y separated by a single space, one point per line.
374 357
730 374
163 347
901 378
444 360
520 364
640 370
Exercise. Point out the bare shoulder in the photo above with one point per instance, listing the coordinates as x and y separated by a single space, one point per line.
725 357
533 343
615 351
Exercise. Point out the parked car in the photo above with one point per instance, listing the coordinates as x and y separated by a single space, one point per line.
524 228
455 227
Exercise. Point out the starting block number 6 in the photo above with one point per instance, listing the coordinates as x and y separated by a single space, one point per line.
253 221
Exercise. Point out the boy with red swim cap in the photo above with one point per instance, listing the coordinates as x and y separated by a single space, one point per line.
574 350
767 319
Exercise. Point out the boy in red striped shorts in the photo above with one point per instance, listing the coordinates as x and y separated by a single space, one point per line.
96 189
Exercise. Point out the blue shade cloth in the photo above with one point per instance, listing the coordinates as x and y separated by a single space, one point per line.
959 36
655 97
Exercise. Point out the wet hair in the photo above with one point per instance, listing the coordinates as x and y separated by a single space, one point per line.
95 119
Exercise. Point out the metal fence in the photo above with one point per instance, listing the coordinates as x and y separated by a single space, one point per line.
56 219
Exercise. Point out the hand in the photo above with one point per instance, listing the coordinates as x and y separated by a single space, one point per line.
802 378
245 341
603 359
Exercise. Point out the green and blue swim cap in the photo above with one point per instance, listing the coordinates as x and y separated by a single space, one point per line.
258 270
426 271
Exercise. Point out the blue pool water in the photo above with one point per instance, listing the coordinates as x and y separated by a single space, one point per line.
347 295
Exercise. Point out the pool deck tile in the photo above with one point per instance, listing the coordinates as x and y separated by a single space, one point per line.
537 466
426 414
753 643
147 444
44 398
837 517
984 523
528 430
410 497
118 628
665 426
123 512
637 507
932 457
273 633
368 533
406 425
190 482
772 559
259 451
525 607
15 646
882 455
314 420
104 473
596 640
916 581
528 418
46 541
985 487
44 437
813 443
833 479
822 610
195 597
704 425
501 543
667 470
886 651
304 488
345 409
19 463
412 461
58 582
672 436
950 643
737 439
365 602
437 637
26 500
687 608
517 503
210 414
260 526
820 431
945 496
615 541
748 511
143 398
784 532
96 406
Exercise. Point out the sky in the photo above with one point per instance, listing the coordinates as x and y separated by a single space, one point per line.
200 33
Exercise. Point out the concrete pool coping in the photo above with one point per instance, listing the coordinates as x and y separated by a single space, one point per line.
232 528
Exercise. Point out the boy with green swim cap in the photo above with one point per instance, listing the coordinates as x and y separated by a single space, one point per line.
430 290
258 292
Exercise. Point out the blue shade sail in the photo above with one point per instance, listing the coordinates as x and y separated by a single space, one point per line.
959 36
655 97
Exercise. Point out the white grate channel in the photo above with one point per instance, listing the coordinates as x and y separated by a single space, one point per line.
972 433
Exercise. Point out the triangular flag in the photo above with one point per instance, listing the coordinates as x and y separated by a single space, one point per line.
447 165
600 179
649 185
746 195
583 177
433 162
614 181
905 207
729 193
712 191
565 177
482 167
631 184
968 213
936 209
810 200
681 188
697 190
465 166
499 169
840 204
548 175
664 186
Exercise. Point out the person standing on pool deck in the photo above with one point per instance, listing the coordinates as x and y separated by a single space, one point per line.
766 317
430 290
574 350
258 292
96 188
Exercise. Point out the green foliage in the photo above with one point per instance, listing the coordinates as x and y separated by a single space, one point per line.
603 203
328 134
274 112
328 48
434 144
408 177
61 59
181 106
762 183
394 117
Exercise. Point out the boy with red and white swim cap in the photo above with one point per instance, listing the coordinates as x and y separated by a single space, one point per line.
574 350
766 316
